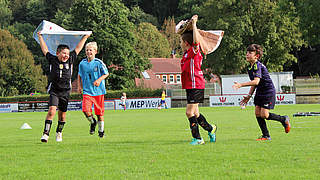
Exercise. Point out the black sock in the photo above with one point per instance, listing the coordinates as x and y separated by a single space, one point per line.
263 127
276 117
47 127
60 126
194 127
204 123
91 119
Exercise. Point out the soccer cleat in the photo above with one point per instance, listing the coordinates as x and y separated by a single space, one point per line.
264 138
197 141
44 138
212 134
287 125
93 127
59 136
101 134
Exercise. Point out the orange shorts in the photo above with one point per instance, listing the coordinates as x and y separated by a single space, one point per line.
98 102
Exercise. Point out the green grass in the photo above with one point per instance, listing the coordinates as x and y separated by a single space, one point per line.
153 144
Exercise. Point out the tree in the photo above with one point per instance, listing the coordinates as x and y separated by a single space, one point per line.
188 8
159 8
308 55
131 3
309 14
24 32
265 22
152 43
37 10
114 34
5 14
19 11
169 30
137 16
18 74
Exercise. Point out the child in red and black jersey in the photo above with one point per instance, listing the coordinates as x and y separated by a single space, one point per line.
194 83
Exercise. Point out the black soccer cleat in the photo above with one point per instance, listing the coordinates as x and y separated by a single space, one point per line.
101 134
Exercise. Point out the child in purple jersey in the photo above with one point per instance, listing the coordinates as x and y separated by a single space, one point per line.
264 99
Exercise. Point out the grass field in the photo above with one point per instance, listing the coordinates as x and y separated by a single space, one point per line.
153 144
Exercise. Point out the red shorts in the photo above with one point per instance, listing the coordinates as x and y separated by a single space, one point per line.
98 102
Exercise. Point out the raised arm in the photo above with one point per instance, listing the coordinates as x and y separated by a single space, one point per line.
196 34
81 44
43 45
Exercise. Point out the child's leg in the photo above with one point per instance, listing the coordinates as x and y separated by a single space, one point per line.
101 123
48 121
62 120
190 112
271 116
284 120
99 111
202 120
90 117
263 127
87 108
261 122
275 117
204 123
63 107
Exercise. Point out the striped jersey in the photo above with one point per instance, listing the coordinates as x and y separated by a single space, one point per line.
192 76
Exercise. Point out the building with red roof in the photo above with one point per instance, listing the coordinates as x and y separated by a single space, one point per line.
164 71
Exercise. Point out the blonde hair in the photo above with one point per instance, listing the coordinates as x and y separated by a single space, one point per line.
92 44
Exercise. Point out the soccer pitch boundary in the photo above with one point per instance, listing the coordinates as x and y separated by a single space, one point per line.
153 144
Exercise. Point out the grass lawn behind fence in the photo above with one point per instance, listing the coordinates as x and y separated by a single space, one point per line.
153 144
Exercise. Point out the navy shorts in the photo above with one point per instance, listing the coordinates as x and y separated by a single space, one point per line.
59 99
267 102
195 96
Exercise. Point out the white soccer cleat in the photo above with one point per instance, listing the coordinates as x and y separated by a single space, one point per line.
59 136
44 138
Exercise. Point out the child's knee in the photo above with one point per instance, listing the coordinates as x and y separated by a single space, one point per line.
189 114
51 113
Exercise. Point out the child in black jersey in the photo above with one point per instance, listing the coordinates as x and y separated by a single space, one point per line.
59 83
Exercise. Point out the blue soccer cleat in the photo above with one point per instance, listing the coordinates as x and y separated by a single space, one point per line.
197 141
212 134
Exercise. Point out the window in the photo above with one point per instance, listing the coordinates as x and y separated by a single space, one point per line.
179 79
145 75
164 78
171 79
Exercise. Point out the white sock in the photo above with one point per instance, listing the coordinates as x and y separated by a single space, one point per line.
101 126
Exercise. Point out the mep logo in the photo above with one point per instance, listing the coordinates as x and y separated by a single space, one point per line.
222 99
280 98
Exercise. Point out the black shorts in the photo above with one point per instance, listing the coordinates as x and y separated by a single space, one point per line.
267 102
59 99
195 96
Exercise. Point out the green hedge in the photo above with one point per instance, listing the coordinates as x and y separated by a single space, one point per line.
133 93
